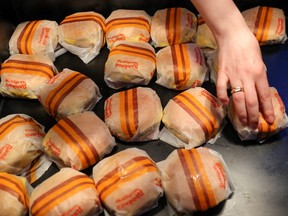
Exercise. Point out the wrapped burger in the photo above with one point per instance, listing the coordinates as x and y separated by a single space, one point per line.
67 192
201 182
68 93
83 34
35 37
128 182
22 75
130 64
78 141
127 25
134 114
20 142
204 36
194 117
173 26
180 66
267 24
264 130
14 195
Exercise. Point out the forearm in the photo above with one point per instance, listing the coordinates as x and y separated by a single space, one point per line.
222 16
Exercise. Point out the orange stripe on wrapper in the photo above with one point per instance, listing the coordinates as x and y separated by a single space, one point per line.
134 168
197 179
125 49
173 24
69 139
24 42
60 193
31 175
84 17
262 23
27 67
265 130
58 94
181 65
169 20
198 112
15 187
135 22
77 141
11 124
129 112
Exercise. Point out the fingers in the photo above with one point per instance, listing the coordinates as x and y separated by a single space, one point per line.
252 105
247 103
265 101
221 88
240 107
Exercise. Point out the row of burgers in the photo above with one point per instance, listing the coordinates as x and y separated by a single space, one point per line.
128 182
85 33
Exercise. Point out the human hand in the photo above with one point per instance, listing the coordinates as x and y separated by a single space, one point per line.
240 64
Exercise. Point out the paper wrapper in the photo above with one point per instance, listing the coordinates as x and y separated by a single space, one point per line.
264 130
22 75
194 116
130 64
35 37
82 34
14 195
37 168
127 25
204 36
20 142
78 141
212 64
267 24
181 66
67 192
68 93
128 182
134 114
201 182
173 26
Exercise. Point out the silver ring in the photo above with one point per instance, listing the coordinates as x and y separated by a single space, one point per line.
237 89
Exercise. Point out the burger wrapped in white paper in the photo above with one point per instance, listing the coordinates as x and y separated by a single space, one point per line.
22 75
268 24
128 182
130 64
21 138
78 141
82 34
180 66
173 26
127 25
195 180
68 93
204 37
67 192
264 130
14 195
194 117
134 114
35 37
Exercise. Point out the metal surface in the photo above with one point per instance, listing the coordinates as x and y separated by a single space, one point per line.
259 171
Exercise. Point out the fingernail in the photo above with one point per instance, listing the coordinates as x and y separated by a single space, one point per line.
244 121
270 119
254 126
